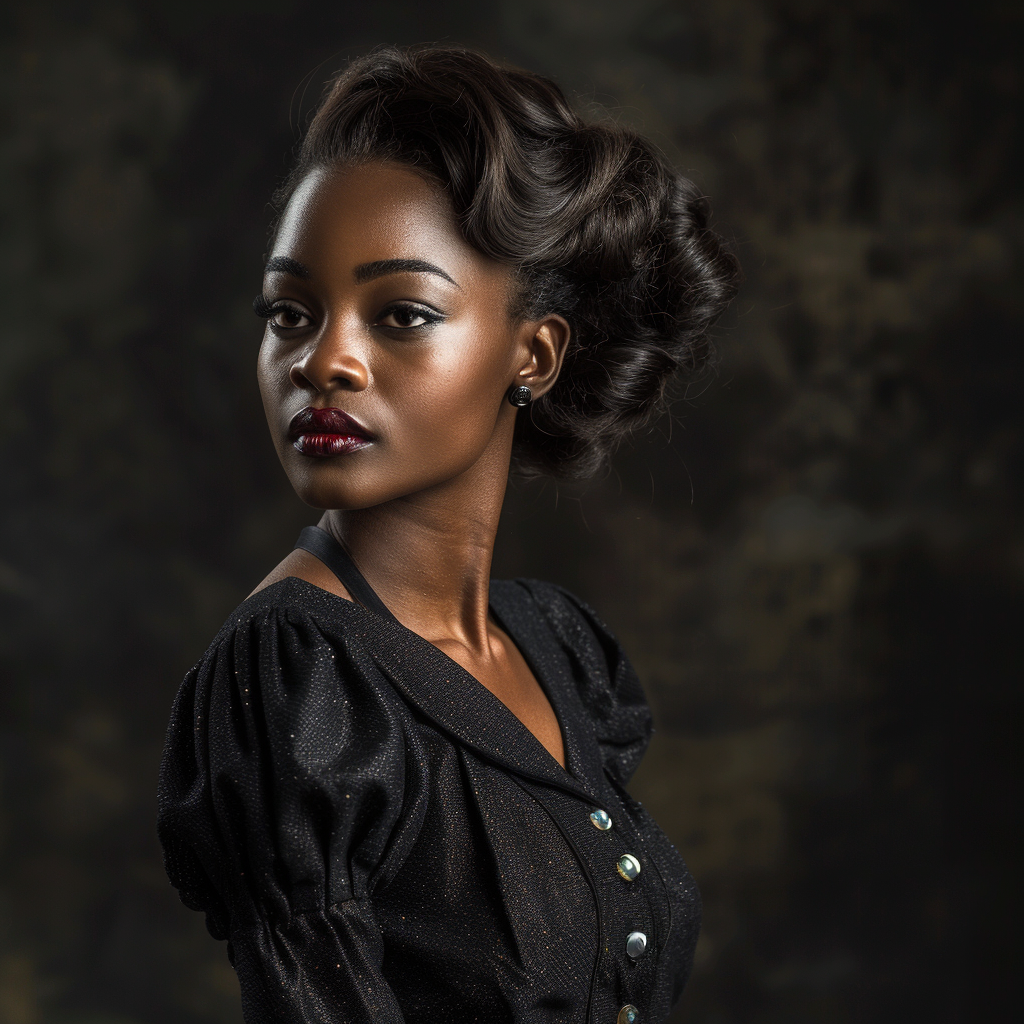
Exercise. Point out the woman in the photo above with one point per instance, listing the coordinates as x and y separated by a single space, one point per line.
398 789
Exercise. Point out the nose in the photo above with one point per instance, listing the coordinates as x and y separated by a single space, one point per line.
331 362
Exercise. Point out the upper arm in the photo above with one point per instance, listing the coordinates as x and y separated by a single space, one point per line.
284 775
282 807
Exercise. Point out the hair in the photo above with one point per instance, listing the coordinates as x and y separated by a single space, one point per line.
595 224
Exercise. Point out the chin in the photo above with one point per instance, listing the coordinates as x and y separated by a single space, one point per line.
349 491
327 486
325 497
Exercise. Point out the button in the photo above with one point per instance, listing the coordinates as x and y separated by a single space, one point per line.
601 820
636 943
628 866
629 1014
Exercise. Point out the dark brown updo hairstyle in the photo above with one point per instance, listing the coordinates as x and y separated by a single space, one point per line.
597 227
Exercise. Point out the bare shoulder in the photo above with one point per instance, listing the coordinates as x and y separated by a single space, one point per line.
304 566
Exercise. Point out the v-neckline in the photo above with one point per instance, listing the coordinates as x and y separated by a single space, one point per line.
573 774
568 751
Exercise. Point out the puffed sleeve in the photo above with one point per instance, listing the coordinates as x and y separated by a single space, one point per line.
608 685
284 801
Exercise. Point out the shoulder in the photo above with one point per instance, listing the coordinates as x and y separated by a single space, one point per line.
570 617
285 629
288 651
305 567
284 747
606 681
579 629
288 602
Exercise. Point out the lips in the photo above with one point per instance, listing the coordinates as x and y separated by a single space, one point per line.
327 432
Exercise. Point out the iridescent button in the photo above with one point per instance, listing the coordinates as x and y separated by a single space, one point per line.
628 866
601 820
636 943
629 1014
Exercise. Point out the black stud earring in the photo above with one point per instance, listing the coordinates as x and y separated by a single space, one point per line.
520 396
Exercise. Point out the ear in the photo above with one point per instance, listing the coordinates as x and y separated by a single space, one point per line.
545 342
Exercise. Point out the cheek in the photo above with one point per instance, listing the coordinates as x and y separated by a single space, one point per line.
271 375
263 368
460 385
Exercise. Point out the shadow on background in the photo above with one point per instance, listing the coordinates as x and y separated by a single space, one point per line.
817 565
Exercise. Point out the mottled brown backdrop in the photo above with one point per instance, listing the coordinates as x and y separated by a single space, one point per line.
817 564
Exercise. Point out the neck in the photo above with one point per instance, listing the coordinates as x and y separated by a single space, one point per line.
428 555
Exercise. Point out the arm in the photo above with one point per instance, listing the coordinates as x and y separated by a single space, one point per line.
322 966
281 795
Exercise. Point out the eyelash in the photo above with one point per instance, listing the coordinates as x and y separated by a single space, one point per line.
429 316
266 311
262 308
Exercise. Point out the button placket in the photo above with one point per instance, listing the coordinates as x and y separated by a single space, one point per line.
639 920
624 906
628 867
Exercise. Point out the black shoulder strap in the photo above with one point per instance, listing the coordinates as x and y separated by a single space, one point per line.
320 543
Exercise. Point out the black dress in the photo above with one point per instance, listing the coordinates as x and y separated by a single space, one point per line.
381 840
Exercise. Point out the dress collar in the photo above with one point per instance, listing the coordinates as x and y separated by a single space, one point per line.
461 706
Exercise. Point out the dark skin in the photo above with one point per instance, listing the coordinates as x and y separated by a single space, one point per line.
423 361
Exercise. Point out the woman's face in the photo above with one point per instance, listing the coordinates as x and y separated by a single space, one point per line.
389 350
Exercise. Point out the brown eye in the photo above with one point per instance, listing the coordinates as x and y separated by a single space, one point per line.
406 317
288 318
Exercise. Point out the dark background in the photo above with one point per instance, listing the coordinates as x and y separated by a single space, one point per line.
817 565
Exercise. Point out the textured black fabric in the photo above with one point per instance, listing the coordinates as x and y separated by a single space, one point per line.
380 839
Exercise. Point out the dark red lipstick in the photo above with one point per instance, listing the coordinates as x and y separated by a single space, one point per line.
326 432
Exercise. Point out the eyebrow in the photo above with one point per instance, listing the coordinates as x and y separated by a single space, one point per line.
363 273
379 268
286 265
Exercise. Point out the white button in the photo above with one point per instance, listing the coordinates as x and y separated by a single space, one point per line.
628 866
636 943
601 820
629 1014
